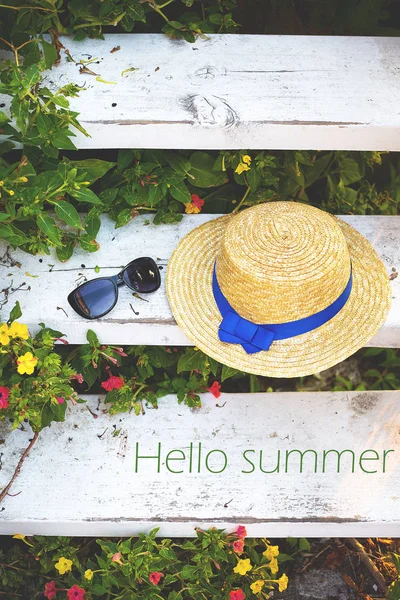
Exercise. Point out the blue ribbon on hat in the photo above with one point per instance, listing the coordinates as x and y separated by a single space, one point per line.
253 337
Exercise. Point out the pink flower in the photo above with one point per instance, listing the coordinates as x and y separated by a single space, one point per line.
50 590
4 392
112 383
60 400
78 377
155 577
237 595
117 558
61 340
238 546
241 532
119 351
196 200
76 593
215 389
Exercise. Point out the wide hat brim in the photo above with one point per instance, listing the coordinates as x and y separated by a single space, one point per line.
189 291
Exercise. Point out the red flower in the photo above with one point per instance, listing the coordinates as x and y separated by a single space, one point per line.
237 595
241 532
60 400
112 383
215 389
196 200
238 546
76 593
50 590
4 391
155 577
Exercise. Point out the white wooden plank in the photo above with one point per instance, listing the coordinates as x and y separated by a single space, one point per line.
237 91
154 324
80 478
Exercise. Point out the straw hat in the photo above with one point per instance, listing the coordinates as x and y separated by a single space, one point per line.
278 263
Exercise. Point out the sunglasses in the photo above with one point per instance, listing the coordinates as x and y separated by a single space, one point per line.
94 299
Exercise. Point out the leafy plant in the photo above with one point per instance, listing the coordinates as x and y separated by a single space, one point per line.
26 197
35 384
214 564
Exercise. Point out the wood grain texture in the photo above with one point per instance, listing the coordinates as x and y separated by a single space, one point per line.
80 478
154 324
236 91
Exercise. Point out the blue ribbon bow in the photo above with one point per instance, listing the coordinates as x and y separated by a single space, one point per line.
253 337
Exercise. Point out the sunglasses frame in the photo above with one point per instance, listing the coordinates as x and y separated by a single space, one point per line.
117 280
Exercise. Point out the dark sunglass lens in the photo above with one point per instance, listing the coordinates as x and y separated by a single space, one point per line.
96 297
142 275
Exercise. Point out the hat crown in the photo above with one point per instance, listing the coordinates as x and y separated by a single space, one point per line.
282 261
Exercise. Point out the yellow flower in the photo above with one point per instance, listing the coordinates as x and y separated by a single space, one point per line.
243 566
257 586
11 192
191 209
26 363
4 335
89 574
242 167
271 552
283 582
246 159
18 330
273 565
20 536
63 565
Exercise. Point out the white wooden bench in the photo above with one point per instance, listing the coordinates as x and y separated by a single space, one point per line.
223 92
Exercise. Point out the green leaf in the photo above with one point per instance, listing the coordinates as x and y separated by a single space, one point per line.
32 55
3 118
123 217
64 253
125 159
50 54
179 164
192 359
44 124
304 544
93 168
92 226
68 213
180 192
349 171
11 234
15 313
228 372
4 217
61 140
88 244
92 338
48 225
253 178
31 77
136 11
202 171
85 195
60 101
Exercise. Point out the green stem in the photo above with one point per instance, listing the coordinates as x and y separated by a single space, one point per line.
159 11
242 200
83 25
165 4
253 384
140 388
29 7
